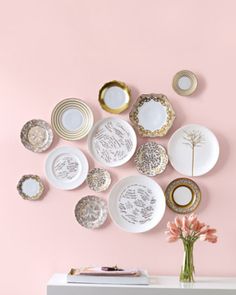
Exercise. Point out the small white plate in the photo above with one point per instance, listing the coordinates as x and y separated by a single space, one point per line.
98 179
30 187
136 204
185 83
66 168
112 142
193 150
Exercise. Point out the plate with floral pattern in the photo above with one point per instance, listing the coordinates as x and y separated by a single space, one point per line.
91 212
36 135
98 179
151 159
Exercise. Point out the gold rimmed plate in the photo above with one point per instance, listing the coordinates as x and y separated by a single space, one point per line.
36 135
152 115
72 119
114 97
183 195
30 187
185 83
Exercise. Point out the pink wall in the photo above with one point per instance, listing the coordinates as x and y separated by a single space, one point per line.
50 50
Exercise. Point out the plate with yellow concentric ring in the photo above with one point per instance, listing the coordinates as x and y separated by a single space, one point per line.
72 119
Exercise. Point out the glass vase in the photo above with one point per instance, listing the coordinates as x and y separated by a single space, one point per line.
187 269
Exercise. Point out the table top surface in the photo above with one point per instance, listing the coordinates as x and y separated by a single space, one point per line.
159 282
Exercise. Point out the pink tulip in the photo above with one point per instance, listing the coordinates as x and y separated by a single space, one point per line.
178 222
172 239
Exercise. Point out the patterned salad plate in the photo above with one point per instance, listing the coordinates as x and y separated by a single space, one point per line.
72 119
112 142
114 97
66 168
98 179
185 83
193 150
36 135
30 187
91 212
151 159
183 195
152 115
136 204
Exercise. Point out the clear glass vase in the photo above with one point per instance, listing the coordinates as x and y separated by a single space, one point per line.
187 269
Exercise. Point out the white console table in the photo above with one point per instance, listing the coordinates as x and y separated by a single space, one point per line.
161 285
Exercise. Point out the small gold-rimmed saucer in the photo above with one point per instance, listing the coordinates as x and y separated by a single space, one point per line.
185 83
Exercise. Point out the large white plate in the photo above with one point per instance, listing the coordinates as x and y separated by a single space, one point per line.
112 142
136 204
193 150
66 168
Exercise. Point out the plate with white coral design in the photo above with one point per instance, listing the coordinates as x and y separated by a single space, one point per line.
66 168
193 150
136 204
112 142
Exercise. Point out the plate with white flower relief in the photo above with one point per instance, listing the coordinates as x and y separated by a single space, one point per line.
98 179
91 212
30 187
66 168
152 115
72 119
36 135
151 159
112 142
193 150
136 204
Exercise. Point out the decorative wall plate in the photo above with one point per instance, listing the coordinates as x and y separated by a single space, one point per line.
66 168
36 135
136 204
183 195
72 119
30 187
112 142
152 115
193 150
98 179
114 97
91 212
185 83
151 159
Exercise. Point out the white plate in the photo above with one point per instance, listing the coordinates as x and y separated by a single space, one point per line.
193 150
136 204
66 168
72 119
30 187
112 142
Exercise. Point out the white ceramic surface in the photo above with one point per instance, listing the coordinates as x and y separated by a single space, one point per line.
66 168
193 150
136 204
112 142
115 97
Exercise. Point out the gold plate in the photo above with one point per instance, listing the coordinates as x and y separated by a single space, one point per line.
183 195
114 97
30 187
152 115
72 119
185 83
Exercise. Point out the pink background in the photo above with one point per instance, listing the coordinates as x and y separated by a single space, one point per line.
50 50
